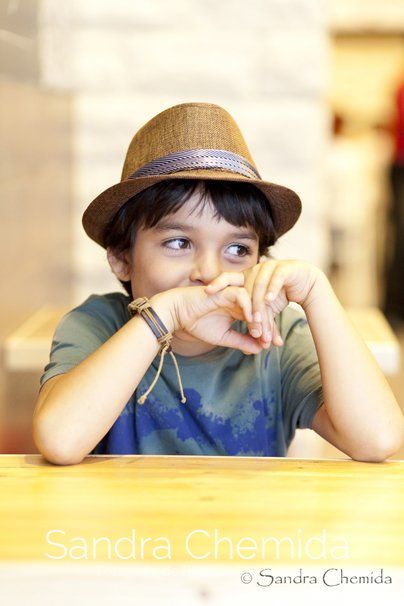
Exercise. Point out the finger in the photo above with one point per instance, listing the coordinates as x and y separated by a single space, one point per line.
267 324
258 299
227 278
240 297
244 301
254 327
276 282
238 340
276 336
250 276
267 321
234 296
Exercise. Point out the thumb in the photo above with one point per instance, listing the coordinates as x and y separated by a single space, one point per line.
237 340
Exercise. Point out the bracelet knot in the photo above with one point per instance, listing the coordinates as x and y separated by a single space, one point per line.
142 307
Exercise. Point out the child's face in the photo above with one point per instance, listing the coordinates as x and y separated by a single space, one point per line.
187 248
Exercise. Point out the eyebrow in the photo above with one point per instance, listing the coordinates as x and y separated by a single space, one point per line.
169 226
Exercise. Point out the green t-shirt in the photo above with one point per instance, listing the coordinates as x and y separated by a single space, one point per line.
237 404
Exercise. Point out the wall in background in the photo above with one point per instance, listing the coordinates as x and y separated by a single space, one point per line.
35 178
125 62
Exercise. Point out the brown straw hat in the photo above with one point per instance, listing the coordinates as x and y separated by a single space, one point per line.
192 141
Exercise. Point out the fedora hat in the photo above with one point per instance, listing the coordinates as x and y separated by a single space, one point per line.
188 141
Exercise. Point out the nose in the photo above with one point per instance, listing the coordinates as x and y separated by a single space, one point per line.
205 268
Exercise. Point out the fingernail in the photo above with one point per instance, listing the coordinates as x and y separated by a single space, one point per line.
255 332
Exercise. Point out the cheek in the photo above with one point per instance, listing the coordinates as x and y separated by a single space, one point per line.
155 274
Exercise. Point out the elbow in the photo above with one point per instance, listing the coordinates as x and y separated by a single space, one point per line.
370 457
383 449
60 458
52 449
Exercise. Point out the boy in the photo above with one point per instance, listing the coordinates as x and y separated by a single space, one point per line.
184 231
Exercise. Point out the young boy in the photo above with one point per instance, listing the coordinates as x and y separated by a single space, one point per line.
185 232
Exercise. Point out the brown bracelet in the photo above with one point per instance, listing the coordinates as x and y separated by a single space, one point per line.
142 306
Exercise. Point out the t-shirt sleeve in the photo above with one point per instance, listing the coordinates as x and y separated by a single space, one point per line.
77 335
301 385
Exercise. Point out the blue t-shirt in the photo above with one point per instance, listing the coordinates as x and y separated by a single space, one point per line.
237 404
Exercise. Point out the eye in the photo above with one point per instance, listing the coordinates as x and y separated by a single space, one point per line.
239 250
176 243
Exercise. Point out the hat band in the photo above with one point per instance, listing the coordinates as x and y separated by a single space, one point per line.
192 159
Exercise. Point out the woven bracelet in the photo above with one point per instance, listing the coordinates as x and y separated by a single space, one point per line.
142 307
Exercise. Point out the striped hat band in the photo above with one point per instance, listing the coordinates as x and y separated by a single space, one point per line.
192 159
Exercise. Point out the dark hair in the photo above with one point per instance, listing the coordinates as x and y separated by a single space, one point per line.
240 204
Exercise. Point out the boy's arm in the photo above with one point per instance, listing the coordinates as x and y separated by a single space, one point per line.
360 414
83 404
74 413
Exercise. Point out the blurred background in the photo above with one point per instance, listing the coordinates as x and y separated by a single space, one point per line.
317 88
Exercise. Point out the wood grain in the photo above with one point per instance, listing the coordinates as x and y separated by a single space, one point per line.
171 496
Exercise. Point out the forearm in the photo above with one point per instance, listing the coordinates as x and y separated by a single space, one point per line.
358 399
87 400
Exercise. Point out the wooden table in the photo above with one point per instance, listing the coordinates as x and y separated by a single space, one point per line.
172 499
170 496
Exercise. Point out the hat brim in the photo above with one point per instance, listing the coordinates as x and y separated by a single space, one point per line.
284 204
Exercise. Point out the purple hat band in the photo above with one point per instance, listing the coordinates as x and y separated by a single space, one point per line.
192 159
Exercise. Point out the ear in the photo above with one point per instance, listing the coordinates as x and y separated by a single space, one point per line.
119 263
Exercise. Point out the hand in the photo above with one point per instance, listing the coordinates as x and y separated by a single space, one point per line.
208 317
272 285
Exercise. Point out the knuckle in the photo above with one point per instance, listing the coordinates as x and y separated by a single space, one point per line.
259 287
256 302
279 274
